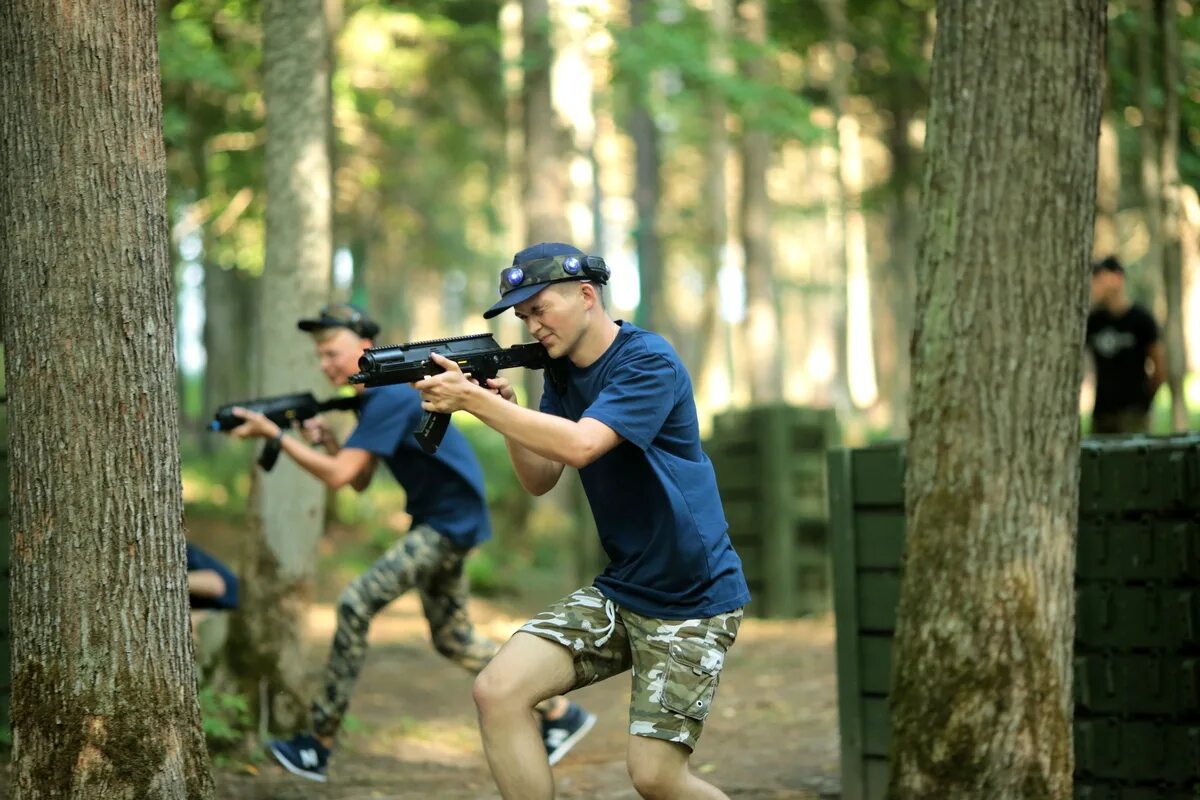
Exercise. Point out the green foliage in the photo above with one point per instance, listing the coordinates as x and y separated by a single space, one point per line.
677 47
1124 20
225 718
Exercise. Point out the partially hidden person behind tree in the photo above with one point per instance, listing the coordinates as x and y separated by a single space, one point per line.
446 500
1123 340
211 584
619 408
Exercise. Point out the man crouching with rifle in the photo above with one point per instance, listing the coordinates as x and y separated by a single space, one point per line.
446 499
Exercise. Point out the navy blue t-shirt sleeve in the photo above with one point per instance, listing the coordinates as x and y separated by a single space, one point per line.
637 399
551 403
198 560
388 417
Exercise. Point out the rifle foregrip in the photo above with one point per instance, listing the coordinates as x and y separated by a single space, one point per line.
433 429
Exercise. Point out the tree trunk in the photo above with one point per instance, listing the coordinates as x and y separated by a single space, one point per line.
762 299
104 684
1150 141
1172 213
1108 192
981 702
859 362
716 197
288 505
229 308
652 312
544 186
898 283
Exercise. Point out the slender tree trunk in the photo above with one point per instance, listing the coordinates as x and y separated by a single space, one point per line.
543 185
859 363
104 684
716 196
762 300
899 280
1172 213
229 307
652 312
1108 191
981 702
288 505
1150 139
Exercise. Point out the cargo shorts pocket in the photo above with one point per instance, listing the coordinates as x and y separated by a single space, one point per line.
688 685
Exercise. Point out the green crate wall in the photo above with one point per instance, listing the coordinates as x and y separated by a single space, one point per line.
1137 644
770 464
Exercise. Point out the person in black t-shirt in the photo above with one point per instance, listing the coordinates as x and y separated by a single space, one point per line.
1123 340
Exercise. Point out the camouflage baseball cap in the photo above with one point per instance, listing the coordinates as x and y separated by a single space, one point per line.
341 315
535 268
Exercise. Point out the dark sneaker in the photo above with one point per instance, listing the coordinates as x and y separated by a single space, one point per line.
561 734
301 755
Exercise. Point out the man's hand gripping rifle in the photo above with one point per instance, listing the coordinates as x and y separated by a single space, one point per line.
285 411
478 355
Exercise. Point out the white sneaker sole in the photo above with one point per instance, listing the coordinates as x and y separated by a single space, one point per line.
570 741
290 767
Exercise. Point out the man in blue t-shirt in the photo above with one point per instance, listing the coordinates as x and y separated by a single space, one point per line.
447 503
618 406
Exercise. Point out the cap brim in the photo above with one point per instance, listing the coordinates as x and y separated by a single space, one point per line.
519 295
310 325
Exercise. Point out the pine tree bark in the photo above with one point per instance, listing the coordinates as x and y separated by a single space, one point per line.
266 637
99 599
981 702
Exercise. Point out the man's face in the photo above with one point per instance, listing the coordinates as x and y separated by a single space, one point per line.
1106 284
338 351
556 316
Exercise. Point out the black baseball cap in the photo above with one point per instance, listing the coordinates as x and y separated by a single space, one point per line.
341 315
535 268
1108 264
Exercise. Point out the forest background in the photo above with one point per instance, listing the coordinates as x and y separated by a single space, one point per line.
751 173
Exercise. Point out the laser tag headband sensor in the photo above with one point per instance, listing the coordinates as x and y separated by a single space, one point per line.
526 278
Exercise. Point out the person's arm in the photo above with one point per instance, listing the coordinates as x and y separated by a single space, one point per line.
553 438
349 465
536 473
317 432
205 583
1158 358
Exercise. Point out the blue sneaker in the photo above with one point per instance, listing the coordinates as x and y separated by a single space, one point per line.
561 734
301 755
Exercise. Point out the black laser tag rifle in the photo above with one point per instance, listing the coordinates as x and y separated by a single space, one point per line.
477 354
284 411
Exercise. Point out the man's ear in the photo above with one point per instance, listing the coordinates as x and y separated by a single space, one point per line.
590 292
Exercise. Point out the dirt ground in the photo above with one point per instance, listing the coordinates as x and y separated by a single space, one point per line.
772 734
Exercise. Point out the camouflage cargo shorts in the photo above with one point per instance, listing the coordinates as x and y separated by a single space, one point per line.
676 664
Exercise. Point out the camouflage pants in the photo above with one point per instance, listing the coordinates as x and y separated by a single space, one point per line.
676 664
427 561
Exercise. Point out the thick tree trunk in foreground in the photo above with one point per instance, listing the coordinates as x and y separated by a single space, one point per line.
982 689
104 690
